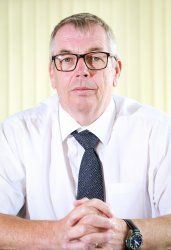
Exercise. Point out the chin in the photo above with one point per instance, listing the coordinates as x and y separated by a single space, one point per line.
82 106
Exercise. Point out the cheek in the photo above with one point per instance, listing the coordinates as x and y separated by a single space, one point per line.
105 82
61 82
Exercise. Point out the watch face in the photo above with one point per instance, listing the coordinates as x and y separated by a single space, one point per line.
135 241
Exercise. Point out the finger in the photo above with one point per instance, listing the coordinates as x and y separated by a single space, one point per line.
79 212
100 238
80 230
89 224
103 207
80 202
76 245
98 221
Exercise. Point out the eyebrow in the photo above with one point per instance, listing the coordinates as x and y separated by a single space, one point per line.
96 49
93 49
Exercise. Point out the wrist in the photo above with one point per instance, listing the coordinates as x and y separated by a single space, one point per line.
134 238
49 236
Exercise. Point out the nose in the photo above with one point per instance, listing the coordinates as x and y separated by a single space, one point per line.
81 69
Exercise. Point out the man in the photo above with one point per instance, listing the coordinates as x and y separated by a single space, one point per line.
44 165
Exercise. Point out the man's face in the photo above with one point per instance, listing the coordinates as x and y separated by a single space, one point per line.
83 91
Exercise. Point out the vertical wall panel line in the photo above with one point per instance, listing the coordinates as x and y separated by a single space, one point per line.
4 88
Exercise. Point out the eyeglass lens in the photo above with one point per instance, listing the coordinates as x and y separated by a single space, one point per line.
68 62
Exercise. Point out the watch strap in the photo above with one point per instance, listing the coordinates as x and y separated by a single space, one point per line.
131 225
135 232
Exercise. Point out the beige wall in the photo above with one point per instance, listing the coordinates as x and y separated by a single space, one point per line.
142 28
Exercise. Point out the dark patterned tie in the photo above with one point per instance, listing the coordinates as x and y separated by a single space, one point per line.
90 180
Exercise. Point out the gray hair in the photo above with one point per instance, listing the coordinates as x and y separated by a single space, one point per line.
83 21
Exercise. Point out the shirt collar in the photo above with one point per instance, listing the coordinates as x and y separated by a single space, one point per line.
102 127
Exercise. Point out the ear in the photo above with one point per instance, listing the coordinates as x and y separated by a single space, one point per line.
118 68
52 74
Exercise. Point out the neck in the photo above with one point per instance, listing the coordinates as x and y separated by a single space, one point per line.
85 118
85 115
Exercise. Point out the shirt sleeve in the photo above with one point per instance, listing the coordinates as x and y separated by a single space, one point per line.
160 172
12 176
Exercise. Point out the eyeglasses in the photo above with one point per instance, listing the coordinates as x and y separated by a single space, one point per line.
93 60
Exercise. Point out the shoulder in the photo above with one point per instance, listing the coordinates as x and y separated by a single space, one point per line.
34 117
133 110
150 126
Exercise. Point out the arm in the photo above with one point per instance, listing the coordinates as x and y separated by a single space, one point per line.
156 232
18 233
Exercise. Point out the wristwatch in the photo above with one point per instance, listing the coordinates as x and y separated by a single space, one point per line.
134 240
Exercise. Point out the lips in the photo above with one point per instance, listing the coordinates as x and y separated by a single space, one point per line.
83 91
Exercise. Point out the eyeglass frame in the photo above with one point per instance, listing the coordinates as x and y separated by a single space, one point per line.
83 56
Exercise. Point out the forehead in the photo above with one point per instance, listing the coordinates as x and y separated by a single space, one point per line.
69 38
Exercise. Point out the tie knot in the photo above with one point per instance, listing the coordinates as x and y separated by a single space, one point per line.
86 139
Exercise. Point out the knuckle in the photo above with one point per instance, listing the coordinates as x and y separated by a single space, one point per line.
84 220
108 207
94 200
83 228
84 209
87 216
88 241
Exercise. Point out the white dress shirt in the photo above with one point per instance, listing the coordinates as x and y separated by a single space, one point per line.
39 160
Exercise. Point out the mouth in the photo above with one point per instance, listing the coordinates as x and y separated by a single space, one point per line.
83 91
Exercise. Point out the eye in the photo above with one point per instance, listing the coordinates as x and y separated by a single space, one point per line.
67 59
95 59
